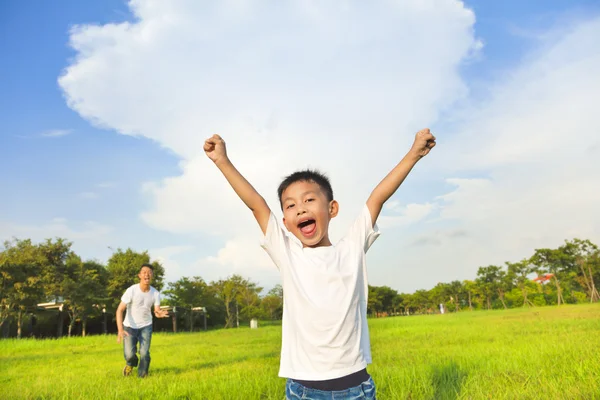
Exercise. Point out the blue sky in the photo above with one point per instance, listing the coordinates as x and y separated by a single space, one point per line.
52 175
104 187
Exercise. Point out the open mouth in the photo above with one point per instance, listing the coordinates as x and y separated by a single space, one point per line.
307 227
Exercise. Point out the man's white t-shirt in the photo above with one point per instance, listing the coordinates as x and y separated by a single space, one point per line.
139 305
324 330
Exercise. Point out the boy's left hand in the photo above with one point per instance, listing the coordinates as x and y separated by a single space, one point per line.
424 142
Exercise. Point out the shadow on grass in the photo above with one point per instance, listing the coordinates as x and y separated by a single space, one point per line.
210 364
447 381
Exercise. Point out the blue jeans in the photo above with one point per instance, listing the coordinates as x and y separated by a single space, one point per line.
366 390
142 335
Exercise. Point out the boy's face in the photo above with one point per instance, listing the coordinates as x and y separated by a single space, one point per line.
145 276
306 213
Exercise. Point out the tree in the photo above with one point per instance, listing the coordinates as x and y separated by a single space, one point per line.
471 290
20 289
397 303
381 299
272 303
440 294
552 261
456 290
55 255
504 286
489 281
585 255
517 273
421 301
249 300
123 268
84 290
374 302
188 293
234 291
55 272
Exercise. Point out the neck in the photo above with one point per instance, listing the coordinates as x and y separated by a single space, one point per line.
145 287
323 243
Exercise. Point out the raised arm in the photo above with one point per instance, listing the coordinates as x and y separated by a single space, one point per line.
424 142
215 149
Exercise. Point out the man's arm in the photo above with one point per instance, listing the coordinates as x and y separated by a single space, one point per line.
120 331
424 142
215 149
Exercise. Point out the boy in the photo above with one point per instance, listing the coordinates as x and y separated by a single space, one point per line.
138 299
325 338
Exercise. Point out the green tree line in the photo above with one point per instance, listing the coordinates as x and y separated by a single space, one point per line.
31 274
567 274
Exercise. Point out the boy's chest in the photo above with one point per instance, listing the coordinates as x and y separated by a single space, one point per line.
324 277
326 261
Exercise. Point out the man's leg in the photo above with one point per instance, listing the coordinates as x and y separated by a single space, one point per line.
145 338
130 349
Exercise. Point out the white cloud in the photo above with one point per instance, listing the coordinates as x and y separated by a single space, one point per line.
239 253
341 86
242 256
166 256
338 86
534 147
58 227
87 236
54 133
409 214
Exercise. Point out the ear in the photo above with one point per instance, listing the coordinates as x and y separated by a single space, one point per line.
334 208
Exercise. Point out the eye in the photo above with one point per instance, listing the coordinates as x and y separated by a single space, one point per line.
289 206
310 199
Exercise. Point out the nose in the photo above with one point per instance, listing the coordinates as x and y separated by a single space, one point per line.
300 210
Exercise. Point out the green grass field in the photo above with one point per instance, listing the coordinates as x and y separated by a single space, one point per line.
541 353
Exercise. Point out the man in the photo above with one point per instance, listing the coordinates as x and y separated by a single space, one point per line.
138 299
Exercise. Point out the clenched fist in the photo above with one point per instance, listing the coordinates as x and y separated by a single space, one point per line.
215 149
424 142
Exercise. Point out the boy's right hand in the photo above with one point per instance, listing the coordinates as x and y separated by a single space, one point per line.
214 147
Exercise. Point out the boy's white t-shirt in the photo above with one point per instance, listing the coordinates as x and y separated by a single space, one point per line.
324 330
139 305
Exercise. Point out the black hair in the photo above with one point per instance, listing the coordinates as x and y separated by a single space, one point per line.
306 175
147 266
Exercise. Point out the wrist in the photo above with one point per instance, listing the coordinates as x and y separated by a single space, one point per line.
413 156
222 162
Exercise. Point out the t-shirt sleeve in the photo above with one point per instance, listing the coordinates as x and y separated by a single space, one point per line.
156 298
127 296
275 241
363 231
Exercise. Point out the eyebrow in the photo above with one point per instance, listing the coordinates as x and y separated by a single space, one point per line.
302 195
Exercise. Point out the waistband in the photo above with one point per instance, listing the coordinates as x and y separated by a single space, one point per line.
343 383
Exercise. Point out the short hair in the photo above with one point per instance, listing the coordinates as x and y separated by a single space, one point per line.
307 175
147 266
